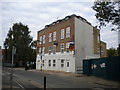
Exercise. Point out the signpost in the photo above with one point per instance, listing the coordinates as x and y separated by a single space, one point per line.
11 75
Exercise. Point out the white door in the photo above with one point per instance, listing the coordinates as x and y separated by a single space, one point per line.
68 66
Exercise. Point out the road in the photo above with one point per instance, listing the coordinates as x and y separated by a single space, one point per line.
35 79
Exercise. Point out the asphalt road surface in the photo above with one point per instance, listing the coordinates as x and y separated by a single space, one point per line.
35 80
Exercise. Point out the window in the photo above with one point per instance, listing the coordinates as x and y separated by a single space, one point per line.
49 63
62 33
40 39
50 49
62 48
54 36
50 37
68 32
67 47
68 64
54 63
62 63
98 39
42 62
100 51
42 50
54 49
43 38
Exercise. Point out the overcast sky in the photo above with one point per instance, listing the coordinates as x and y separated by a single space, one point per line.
36 14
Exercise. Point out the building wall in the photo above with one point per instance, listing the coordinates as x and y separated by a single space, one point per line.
67 57
85 38
83 42
57 27
104 51
96 34
96 38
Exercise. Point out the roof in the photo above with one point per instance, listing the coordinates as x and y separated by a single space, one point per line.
103 42
66 18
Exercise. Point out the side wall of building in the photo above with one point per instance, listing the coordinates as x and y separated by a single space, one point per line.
67 57
83 42
96 40
104 51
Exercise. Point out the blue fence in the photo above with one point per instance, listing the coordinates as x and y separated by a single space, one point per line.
107 68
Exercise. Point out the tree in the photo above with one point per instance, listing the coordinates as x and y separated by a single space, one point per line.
111 52
33 46
19 37
118 49
107 12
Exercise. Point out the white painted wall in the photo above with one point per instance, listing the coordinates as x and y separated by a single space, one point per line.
38 64
83 42
68 57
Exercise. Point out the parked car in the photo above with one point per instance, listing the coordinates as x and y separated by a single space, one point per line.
30 65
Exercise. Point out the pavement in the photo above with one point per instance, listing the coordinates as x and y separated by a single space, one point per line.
89 79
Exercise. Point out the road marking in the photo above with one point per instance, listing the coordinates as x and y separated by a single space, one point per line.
19 84
37 84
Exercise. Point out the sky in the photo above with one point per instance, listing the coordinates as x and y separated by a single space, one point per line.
38 13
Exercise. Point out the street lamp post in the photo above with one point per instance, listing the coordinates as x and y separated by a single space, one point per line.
12 62
100 46
40 53
11 76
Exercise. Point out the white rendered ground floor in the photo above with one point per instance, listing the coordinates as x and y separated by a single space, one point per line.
57 62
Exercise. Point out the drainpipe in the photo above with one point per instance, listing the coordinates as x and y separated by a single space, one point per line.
100 45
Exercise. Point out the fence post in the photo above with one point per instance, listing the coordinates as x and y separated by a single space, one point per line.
44 82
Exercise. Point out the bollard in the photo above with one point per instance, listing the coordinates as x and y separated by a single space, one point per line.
44 82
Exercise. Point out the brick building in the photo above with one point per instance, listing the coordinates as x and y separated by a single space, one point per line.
64 44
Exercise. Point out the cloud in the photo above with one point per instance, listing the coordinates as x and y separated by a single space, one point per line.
111 37
36 14
49 1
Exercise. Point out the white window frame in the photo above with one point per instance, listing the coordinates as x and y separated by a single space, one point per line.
62 33
39 50
62 47
98 39
43 39
54 49
101 51
54 36
68 64
54 63
50 37
43 61
68 32
43 50
62 63
40 39
49 50
67 47
49 63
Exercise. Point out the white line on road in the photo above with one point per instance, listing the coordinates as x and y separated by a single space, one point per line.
19 84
